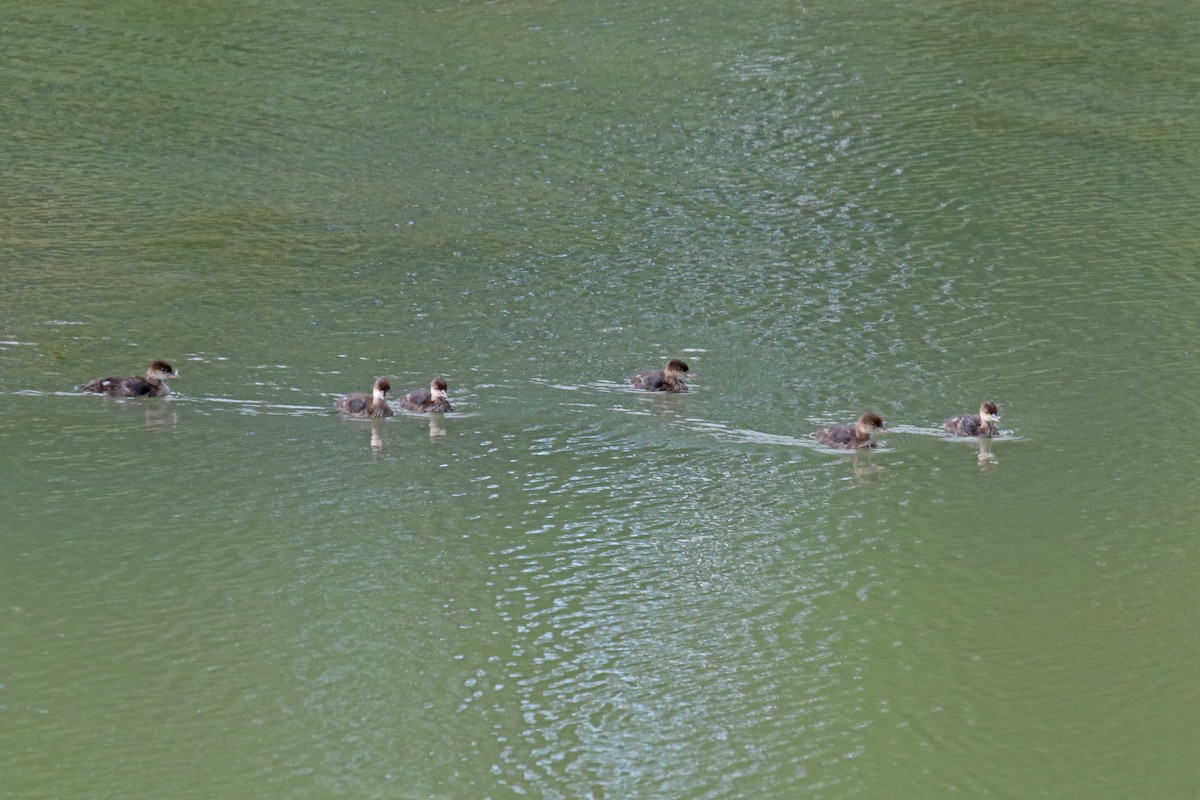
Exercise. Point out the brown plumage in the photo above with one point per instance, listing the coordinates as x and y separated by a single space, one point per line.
367 406
135 386
662 380
981 424
426 400
851 437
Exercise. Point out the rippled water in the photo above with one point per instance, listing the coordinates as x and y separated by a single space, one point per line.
566 588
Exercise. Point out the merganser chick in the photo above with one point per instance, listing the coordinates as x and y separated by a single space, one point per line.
136 386
851 437
363 406
433 399
662 380
981 424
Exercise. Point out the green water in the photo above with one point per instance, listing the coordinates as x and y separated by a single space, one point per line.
566 589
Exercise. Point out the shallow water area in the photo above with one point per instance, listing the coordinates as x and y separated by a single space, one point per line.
568 588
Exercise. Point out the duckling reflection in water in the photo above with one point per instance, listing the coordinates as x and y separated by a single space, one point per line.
669 379
157 416
151 385
984 458
852 437
437 426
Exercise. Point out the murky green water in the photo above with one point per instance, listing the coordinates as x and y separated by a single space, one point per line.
566 589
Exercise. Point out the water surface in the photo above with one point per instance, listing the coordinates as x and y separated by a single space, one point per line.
565 588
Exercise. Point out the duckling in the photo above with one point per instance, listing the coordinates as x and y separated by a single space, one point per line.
662 380
135 386
364 406
981 424
433 399
852 437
